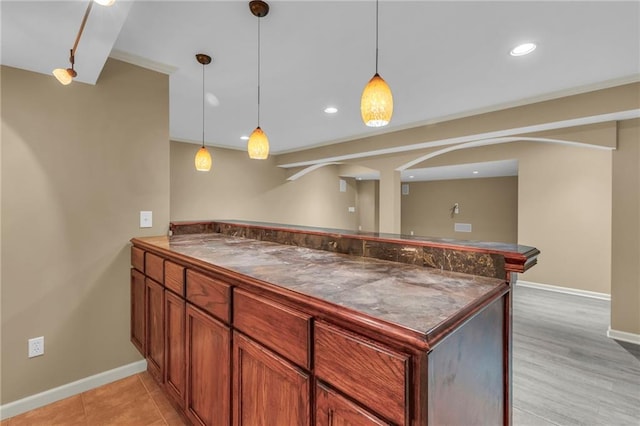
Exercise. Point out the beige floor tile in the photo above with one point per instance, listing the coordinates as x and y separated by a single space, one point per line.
68 411
125 402
169 413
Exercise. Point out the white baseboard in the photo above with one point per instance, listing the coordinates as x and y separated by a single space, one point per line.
70 389
623 336
566 290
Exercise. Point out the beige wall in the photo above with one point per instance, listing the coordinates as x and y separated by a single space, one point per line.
367 205
625 255
490 205
564 208
78 164
240 188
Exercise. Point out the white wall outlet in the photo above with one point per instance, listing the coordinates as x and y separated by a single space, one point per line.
36 346
352 209
146 219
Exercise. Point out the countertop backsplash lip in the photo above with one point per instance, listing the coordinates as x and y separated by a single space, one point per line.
472 257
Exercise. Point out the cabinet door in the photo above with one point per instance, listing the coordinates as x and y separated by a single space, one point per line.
335 410
174 356
137 311
208 369
267 389
155 329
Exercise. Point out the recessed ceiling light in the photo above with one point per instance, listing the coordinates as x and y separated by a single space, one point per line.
331 110
411 177
475 172
523 49
244 138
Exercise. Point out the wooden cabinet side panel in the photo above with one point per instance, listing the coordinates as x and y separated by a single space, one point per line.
466 372
333 409
374 375
155 329
174 377
208 395
267 389
137 311
276 326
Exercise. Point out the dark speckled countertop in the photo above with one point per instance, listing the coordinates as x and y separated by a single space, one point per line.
409 296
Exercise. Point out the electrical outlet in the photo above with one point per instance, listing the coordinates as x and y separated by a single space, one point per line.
36 346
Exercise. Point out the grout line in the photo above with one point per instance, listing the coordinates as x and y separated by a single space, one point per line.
84 408
152 399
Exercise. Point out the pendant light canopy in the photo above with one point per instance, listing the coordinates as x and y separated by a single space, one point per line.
66 75
376 104
258 144
203 158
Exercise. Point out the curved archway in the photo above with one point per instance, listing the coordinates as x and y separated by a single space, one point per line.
494 141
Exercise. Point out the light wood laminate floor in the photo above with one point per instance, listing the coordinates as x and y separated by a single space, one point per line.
565 372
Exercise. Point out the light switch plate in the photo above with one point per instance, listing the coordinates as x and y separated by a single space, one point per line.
146 219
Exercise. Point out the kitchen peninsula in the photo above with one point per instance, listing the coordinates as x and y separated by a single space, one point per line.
249 323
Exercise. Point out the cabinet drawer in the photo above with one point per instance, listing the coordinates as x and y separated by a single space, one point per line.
374 375
282 329
137 258
174 277
154 267
208 293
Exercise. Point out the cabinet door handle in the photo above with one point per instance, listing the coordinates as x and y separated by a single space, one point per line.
330 415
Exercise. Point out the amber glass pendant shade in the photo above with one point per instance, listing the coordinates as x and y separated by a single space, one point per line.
203 160
376 105
64 76
258 145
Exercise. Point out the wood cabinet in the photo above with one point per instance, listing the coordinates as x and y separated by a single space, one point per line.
333 409
138 331
208 364
229 349
174 347
154 306
267 389
372 374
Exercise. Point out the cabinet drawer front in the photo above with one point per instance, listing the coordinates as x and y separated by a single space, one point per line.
209 294
333 409
174 277
376 376
282 329
137 258
154 267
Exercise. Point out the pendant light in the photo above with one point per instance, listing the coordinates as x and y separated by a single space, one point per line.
376 104
258 144
203 158
66 75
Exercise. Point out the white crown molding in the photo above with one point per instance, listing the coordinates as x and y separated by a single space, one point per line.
70 389
142 62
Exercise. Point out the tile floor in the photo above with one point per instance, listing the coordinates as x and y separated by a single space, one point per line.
135 400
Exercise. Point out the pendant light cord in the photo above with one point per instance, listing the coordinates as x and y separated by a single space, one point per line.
203 105
258 71
376 36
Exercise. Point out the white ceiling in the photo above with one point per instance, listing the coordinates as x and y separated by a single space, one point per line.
441 58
